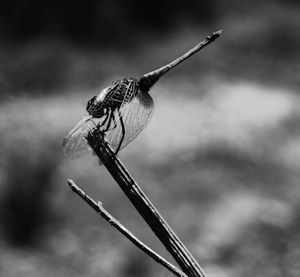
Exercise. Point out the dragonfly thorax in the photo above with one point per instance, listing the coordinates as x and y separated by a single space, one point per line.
112 97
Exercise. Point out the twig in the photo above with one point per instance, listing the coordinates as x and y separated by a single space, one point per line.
115 223
146 209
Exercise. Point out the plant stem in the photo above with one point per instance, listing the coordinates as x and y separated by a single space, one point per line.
123 230
146 209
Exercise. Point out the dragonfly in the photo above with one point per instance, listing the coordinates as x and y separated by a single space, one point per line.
122 110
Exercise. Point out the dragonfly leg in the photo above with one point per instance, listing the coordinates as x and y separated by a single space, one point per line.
123 132
92 122
110 117
115 122
105 119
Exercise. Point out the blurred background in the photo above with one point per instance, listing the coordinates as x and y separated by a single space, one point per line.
220 158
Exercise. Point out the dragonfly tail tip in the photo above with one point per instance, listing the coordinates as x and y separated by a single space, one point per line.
214 35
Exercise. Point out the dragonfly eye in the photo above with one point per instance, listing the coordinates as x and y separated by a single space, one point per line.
90 103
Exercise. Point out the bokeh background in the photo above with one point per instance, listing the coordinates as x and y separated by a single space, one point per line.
220 157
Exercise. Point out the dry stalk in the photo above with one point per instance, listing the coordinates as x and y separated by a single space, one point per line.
143 205
98 207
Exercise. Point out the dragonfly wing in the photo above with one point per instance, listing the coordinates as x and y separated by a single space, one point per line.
74 143
136 114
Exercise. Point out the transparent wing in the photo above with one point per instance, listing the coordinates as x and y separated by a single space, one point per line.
74 144
136 114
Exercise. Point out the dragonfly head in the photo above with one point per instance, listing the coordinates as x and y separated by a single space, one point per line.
90 104
94 107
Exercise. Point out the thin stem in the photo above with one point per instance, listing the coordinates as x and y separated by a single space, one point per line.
123 230
146 209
